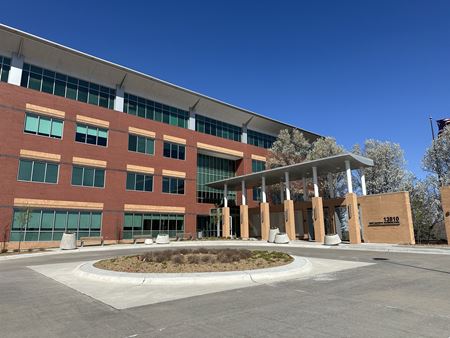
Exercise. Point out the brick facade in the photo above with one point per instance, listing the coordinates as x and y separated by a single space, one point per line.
13 100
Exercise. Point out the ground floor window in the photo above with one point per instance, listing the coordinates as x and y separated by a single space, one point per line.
49 225
152 225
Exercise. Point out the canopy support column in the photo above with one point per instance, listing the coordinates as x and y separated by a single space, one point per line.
264 212
225 214
363 183
243 213
348 170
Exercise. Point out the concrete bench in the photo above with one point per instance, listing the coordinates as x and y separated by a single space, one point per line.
91 239
138 237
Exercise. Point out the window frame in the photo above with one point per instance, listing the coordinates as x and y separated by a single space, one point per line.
135 180
171 179
52 119
46 163
171 146
82 177
87 126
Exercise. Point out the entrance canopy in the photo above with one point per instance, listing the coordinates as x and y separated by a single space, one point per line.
298 171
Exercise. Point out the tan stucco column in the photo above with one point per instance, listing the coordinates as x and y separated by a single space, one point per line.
244 221
445 200
354 228
226 222
319 223
289 219
265 220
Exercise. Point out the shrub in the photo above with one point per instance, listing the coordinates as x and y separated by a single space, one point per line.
203 250
193 259
207 259
16 250
30 250
3 250
178 259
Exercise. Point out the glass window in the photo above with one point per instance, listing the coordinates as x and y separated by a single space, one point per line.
131 181
47 220
38 172
81 133
85 220
61 85
217 128
139 182
60 220
31 123
51 175
173 150
25 168
88 177
141 107
99 178
72 220
132 142
77 175
91 135
173 185
96 220
57 128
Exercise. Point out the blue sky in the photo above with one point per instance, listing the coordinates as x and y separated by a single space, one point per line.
348 69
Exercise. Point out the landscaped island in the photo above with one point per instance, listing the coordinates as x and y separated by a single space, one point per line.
196 260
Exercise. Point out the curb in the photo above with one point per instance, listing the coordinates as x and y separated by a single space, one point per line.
299 267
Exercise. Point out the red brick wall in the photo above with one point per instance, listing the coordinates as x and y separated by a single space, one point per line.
12 109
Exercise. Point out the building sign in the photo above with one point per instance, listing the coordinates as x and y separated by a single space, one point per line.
390 220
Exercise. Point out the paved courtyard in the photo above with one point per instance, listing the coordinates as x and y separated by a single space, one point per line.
397 295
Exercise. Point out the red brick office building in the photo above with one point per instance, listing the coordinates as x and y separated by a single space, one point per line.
92 147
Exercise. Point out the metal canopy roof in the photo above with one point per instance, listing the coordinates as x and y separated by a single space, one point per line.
44 53
332 164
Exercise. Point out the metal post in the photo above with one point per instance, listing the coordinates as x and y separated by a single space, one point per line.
244 194
263 190
286 183
225 196
349 176
363 183
305 189
316 184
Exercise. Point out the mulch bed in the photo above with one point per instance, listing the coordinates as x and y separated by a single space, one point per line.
196 260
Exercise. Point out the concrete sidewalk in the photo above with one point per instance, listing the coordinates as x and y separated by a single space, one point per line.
294 244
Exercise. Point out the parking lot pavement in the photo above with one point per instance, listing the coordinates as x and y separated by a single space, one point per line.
401 295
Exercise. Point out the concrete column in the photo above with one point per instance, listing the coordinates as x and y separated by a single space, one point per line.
349 176
15 72
287 186
225 196
354 228
244 134
225 222
191 124
244 193
243 209
119 101
316 183
244 213
305 189
363 183
318 219
265 220
289 219
330 186
263 190
281 192
445 200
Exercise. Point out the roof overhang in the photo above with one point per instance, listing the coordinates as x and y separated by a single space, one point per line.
48 54
333 164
